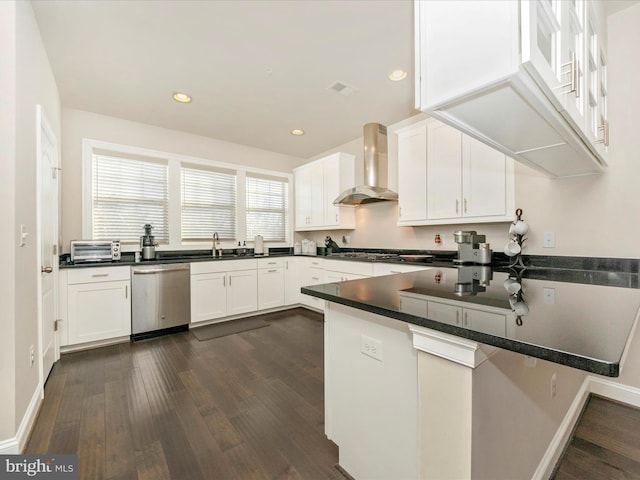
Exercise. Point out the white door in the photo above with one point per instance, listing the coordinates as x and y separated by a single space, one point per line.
444 171
412 174
484 180
47 151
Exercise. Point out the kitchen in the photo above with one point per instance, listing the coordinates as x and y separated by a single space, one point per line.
592 216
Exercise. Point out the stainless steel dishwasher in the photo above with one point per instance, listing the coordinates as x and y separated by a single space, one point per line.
160 299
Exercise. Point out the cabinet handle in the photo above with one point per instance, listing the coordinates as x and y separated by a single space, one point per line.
465 205
126 291
457 206
315 278
466 319
399 212
272 271
605 133
96 275
457 317
286 264
224 281
229 280
573 72
336 218
271 263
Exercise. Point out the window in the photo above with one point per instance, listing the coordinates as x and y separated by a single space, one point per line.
267 208
127 193
208 204
186 199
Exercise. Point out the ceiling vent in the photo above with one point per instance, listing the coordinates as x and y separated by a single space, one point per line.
342 88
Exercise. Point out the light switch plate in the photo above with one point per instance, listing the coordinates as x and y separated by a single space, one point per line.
549 240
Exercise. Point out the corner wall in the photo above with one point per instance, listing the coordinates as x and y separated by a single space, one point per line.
7 217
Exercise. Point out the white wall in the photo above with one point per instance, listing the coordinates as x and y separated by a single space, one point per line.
7 217
593 216
27 76
78 124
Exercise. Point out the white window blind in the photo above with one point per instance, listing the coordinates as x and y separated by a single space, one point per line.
128 193
208 204
267 208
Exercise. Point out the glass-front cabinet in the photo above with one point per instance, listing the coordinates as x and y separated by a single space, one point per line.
562 50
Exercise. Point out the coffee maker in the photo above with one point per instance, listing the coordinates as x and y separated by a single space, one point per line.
148 244
471 248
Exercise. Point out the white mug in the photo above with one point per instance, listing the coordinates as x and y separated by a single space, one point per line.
512 286
519 308
519 228
512 249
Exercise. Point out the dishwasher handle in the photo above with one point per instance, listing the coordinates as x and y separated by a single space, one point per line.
145 271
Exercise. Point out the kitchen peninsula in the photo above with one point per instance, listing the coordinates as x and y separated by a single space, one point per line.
451 329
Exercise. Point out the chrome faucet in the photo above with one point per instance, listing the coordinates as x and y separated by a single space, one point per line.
217 248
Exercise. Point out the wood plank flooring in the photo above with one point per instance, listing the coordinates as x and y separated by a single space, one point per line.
245 406
605 444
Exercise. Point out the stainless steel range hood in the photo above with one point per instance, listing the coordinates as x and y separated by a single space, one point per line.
375 171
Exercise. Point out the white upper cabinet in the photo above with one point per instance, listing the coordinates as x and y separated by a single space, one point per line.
525 77
447 177
317 185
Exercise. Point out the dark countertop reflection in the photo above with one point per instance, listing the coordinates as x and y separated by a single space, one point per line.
575 318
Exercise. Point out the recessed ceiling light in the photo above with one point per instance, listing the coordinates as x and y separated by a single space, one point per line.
397 75
297 132
181 97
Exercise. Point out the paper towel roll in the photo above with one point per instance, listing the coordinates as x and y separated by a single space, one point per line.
258 245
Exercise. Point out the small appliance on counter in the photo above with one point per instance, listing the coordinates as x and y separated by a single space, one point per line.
471 248
258 245
85 251
148 243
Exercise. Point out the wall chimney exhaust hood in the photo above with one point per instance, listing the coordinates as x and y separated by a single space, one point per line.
375 171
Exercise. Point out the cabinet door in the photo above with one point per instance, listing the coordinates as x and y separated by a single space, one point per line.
412 174
208 296
573 62
302 179
444 171
317 194
484 183
442 312
270 288
313 276
338 176
292 281
242 292
597 117
486 322
98 311
542 43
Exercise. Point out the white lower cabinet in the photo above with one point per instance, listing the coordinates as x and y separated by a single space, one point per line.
293 280
271 285
312 274
223 288
98 302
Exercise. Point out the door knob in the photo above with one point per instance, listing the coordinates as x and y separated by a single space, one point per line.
46 269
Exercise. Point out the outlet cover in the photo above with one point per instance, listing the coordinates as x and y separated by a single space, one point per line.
372 347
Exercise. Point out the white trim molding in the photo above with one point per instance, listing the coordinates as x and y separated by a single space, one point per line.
456 349
15 445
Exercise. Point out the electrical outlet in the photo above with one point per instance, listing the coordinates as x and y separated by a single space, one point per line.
530 361
32 356
549 296
554 384
549 240
371 347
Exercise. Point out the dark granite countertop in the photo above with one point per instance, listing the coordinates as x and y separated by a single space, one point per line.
586 327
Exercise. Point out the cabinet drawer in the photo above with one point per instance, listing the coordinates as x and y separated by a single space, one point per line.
357 268
216 266
98 274
270 263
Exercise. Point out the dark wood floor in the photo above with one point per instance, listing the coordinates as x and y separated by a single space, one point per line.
246 406
605 445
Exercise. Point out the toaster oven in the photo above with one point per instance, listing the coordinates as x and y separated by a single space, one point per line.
83 251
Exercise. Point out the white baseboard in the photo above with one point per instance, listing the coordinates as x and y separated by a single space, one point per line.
596 385
15 445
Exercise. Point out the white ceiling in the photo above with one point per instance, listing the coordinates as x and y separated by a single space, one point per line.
255 69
